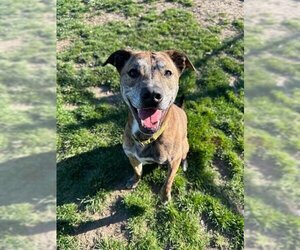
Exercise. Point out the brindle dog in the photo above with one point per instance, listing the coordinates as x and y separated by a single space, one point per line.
156 131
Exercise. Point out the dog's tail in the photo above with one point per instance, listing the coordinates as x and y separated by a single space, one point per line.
184 165
180 102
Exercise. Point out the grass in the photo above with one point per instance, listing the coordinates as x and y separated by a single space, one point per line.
27 126
272 135
208 199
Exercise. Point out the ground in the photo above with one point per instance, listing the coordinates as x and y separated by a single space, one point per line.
27 126
207 203
94 208
272 125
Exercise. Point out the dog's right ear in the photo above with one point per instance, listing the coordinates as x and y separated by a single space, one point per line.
118 59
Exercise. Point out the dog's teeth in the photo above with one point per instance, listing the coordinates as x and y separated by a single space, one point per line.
143 124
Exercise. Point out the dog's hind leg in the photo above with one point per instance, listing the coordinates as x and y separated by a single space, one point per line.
138 169
184 164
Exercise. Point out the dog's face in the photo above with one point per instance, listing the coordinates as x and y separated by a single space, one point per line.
149 83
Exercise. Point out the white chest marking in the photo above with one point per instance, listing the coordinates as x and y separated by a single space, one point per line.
135 127
143 160
134 150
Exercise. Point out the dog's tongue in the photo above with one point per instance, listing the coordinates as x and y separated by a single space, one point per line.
150 117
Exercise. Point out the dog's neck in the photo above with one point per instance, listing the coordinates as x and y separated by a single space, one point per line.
141 136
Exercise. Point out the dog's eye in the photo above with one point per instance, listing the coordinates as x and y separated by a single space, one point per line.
133 73
168 73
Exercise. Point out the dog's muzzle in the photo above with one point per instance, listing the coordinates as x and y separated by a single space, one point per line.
151 97
149 115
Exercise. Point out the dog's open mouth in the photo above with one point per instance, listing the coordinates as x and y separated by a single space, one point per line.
149 119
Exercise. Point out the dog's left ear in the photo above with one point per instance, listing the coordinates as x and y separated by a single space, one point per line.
118 59
181 60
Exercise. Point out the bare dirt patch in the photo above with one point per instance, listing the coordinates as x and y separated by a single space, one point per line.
48 17
47 240
207 12
70 107
277 9
161 6
62 45
210 13
21 107
110 223
36 67
10 45
102 18
272 14
103 93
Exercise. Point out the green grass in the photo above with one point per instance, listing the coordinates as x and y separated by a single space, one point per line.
272 136
27 126
208 199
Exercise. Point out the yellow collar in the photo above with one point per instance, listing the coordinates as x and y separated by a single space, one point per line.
153 137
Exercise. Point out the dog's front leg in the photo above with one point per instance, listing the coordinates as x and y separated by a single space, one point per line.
138 169
165 192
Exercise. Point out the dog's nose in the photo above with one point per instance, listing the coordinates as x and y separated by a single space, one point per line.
151 96
157 97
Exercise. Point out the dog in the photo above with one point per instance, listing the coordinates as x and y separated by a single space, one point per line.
156 131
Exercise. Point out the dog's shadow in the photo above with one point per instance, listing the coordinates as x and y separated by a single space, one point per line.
103 168
28 180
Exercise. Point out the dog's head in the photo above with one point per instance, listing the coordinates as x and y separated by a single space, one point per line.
149 83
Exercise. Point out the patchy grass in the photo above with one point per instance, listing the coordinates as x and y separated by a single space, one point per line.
272 134
27 126
207 206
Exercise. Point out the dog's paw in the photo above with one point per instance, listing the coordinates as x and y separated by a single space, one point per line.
132 183
165 197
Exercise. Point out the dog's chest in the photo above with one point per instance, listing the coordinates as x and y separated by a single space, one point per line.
147 154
